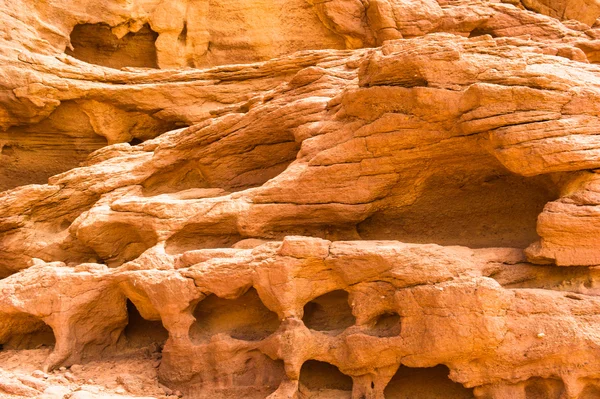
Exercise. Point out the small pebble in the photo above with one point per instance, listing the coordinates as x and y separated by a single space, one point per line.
39 374
541 335
63 369
70 376
33 382
61 380
166 390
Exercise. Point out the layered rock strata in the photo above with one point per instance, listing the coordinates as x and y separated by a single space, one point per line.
340 199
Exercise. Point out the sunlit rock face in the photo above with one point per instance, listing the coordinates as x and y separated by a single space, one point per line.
300 199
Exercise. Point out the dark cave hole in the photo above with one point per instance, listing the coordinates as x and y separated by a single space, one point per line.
119 242
96 44
135 141
475 211
244 318
544 388
482 31
140 332
7 150
591 391
33 333
386 325
316 376
183 35
261 372
249 374
425 383
329 312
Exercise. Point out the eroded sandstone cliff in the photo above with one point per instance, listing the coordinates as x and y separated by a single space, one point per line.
300 199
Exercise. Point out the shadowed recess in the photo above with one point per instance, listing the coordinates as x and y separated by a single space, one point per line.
482 30
498 210
425 383
591 391
195 236
592 52
180 176
240 170
31 154
119 242
386 325
96 44
140 332
544 388
322 379
25 332
244 318
251 375
329 312
64 140
527 275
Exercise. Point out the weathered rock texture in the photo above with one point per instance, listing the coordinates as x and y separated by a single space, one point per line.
300 199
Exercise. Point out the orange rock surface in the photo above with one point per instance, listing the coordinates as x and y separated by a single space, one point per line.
296 199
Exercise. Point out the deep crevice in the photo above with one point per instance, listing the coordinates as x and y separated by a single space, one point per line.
182 38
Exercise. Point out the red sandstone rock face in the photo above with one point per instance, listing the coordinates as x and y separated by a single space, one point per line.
299 199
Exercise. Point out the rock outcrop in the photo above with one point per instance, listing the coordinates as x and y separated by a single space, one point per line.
300 199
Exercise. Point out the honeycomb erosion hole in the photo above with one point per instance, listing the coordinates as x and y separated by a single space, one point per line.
300 199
